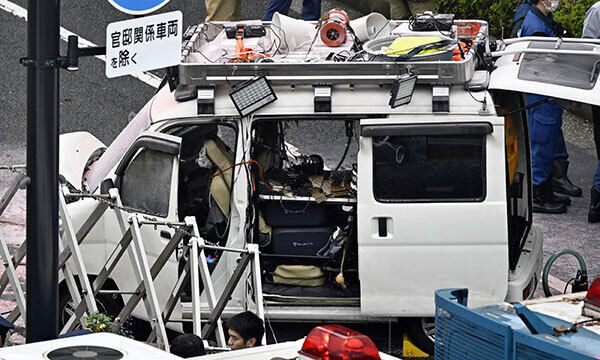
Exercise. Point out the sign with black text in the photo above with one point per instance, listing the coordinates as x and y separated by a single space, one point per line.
142 44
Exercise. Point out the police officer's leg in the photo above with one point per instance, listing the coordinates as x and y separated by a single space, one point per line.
594 214
311 9
223 10
420 6
543 134
560 181
399 10
280 6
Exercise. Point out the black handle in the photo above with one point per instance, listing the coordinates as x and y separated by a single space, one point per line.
383 227
165 234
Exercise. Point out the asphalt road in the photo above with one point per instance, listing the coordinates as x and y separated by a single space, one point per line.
91 102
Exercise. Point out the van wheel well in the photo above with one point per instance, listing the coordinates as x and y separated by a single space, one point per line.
109 304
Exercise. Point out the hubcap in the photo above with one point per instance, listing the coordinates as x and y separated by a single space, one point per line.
428 325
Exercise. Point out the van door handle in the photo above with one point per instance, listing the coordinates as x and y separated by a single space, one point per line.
165 234
383 232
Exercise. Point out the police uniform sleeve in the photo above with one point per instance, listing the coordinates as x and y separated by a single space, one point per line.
591 26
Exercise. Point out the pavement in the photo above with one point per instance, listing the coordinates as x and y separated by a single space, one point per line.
91 102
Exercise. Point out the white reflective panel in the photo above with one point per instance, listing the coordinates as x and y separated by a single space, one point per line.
563 69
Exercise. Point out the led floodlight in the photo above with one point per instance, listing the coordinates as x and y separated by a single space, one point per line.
252 95
403 89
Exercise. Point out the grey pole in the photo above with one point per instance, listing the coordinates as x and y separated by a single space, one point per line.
42 168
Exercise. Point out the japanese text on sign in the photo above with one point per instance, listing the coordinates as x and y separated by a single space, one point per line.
142 44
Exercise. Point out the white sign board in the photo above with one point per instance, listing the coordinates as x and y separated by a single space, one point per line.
142 44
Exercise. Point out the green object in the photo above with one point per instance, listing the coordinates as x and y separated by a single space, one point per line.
499 14
553 258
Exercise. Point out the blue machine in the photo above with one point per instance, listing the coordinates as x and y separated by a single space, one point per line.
505 333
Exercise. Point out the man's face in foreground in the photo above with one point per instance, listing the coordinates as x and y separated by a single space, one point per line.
236 341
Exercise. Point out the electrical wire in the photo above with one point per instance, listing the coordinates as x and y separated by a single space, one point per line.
435 23
552 259
484 101
567 285
284 39
313 41
268 321
278 44
204 56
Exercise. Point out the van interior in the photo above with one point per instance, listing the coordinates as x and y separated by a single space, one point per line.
304 198
305 206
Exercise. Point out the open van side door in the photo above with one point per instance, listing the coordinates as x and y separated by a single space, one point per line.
558 68
431 212
147 178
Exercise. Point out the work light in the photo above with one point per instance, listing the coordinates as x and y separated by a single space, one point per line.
403 89
252 95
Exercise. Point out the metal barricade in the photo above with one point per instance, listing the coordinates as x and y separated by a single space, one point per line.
83 291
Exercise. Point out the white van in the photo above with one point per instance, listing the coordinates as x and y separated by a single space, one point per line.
329 179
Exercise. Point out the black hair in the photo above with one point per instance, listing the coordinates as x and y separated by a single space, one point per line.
187 346
248 325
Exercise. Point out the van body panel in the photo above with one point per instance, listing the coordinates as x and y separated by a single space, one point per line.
432 244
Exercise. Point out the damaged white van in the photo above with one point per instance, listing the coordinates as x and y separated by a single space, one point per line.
368 182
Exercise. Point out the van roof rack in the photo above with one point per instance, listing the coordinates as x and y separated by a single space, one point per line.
293 68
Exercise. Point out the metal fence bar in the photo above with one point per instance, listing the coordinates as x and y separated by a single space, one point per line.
184 278
73 290
83 231
159 263
16 261
11 262
104 274
229 288
71 241
207 281
195 277
155 313
11 272
122 221
257 285
14 186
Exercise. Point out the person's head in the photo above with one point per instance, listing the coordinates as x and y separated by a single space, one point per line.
245 331
546 6
187 346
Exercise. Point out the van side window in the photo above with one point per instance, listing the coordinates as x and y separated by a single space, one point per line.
146 183
429 168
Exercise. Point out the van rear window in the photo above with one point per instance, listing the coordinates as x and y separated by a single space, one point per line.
429 168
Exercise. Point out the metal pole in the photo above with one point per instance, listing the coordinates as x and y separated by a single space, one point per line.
42 168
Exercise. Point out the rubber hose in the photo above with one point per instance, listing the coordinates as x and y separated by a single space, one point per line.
551 261
339 165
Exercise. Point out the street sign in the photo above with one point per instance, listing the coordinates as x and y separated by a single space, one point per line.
138 7
142 44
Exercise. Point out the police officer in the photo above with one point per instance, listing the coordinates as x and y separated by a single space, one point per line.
545 121
591 29
403 9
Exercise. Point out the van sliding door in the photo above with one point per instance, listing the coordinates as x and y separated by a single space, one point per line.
431 213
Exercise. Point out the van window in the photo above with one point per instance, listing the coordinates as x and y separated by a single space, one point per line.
146 183
429 168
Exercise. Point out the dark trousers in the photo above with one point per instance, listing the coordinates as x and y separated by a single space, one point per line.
596 113
596 117
311 9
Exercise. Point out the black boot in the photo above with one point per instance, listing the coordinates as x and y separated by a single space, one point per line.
561 199
594 214
560 181
543 200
